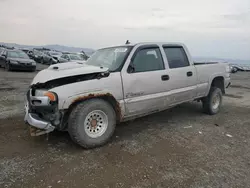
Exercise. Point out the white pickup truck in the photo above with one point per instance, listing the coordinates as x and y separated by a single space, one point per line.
117 84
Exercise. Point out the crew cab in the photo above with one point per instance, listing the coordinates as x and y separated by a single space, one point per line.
117 84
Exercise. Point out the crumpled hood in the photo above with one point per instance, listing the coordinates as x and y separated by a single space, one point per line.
61 70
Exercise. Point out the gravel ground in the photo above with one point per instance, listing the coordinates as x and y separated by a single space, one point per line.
180 147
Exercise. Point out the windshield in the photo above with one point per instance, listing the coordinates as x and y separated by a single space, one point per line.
18 54
111 58
75 57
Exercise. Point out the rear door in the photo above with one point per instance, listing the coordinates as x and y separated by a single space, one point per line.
182 73
145 80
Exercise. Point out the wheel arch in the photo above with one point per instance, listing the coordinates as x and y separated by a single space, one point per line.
219 82
104 96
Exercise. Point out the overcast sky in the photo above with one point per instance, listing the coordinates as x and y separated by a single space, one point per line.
217 28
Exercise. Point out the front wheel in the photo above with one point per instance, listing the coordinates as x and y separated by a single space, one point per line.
212 103
92 123
7 67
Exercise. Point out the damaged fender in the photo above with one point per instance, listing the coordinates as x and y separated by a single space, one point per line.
118 106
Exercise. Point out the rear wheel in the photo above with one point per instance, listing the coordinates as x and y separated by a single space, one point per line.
212 103
92 123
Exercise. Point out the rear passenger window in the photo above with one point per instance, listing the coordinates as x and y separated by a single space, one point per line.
176 57
148 59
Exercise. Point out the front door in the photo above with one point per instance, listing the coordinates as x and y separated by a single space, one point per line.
144 81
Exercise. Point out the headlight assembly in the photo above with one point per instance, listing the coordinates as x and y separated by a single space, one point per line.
51 95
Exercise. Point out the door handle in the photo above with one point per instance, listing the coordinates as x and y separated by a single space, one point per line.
164 77
190 73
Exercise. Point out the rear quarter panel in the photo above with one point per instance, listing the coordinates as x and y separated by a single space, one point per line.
205 75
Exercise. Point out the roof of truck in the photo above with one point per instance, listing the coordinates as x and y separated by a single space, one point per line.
147 43
159 43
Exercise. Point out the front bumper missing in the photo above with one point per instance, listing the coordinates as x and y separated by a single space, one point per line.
38 125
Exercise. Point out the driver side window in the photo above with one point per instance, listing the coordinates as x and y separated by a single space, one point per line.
147 59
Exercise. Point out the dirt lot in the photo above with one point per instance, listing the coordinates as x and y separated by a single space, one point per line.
180 147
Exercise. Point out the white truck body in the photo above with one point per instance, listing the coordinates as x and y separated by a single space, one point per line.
135 93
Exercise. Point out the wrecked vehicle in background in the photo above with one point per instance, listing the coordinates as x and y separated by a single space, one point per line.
50 57
71 57
117 84
241 67
83 55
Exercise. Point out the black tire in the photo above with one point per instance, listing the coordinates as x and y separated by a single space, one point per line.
208 102
78 116
7 67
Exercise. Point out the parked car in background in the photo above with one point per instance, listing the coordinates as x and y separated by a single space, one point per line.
1 49
71 57
233 69
118 84
55 54
50 57
25 50
16 60
36 55
83 55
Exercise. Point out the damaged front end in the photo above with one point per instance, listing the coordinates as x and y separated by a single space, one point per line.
42 111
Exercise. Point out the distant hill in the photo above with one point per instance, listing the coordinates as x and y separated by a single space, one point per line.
53 47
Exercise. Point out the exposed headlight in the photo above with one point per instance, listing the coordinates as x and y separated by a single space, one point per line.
33 63
14 62
52 96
